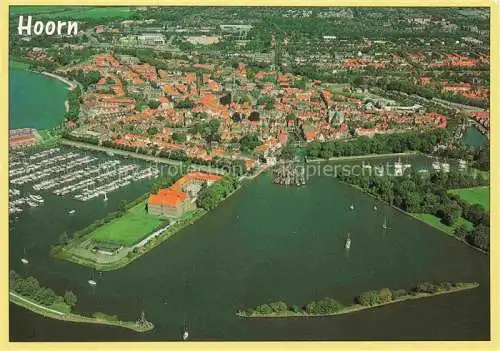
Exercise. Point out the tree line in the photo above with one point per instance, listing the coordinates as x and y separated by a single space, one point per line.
210 196
328 305
379 144
30 288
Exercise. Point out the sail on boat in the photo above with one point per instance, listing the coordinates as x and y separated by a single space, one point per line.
348 241
92 282
185 335
24 260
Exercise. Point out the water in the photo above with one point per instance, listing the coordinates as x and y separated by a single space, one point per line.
266 243
473 137
35 101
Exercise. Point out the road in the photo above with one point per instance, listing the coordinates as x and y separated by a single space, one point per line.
82 145
35 304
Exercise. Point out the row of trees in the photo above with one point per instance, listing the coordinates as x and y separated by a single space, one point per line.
74 100
211 196
379 144
85 79
30 287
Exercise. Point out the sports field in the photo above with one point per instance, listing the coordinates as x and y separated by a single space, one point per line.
479 195
128 229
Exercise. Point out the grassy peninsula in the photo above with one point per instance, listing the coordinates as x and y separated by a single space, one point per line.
27 293
367 300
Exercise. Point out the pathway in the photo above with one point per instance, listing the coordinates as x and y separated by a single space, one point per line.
35 304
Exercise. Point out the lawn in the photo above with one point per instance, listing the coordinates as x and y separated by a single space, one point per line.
436 222
473 196
128 229
45 134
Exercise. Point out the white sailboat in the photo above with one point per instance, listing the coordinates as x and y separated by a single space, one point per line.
72 212
351 207
92 282
24 260
105 197
185 335
348 241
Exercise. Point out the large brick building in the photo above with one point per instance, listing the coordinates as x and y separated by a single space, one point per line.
180 198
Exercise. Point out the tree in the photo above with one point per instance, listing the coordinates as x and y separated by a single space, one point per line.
385 295
152 131
179 137
153 104
264 309
461 231
324 306
254 116
249 142
70 298
369 298
278 306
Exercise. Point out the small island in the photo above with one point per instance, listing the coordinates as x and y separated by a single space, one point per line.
27 293
367 300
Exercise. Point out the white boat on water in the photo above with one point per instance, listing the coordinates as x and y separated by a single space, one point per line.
37 198
72 212
32 204
185 335
92 282
385 223
24 261
351 207
348 241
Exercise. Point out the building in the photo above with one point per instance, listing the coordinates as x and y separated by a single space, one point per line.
180 198
169 203
23 137
151 39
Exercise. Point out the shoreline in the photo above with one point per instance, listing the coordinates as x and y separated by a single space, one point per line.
415 217
71 85
358 307
26 303
170 231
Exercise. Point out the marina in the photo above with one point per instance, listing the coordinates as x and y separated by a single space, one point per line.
64 172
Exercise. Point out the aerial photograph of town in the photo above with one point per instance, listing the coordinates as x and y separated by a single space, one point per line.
248 173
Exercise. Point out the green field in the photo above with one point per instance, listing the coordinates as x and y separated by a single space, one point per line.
72 12
128 229
436 222
473 196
